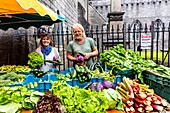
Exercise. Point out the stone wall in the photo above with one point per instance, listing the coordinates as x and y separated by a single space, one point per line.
67 9
14 47
95 18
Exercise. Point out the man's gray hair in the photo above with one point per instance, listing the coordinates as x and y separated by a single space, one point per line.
81 27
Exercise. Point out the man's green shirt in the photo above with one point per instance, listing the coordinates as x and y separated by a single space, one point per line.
85 47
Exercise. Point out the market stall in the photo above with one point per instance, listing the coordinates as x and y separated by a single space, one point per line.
101 88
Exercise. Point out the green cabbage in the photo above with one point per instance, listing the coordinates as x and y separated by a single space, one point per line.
115 101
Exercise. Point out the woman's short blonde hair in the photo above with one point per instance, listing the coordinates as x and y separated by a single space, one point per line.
79 26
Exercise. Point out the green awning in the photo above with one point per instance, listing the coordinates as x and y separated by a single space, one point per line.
26 20
26 13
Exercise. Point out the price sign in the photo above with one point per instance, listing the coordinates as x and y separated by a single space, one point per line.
146 41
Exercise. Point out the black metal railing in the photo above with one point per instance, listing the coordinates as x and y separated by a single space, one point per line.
131 36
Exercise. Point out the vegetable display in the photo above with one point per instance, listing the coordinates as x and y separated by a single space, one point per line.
120 59
77 100
38 73
14 68
49 103
139 99
97 86
107 84
82 73
11 78
13 99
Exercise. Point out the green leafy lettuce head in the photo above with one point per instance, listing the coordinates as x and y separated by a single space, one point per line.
35 60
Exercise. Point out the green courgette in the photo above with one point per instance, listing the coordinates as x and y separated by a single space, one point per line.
77 68
82 54
74 74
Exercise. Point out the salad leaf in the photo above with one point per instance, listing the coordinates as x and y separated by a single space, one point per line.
10 107
80 100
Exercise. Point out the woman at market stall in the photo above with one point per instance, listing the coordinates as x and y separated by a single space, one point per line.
47 51
81 46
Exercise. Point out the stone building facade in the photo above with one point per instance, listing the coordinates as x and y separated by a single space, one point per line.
139 12
146 11
102 8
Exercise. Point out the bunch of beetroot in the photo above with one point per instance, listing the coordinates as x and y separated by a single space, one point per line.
137 98
57 59
80 57
49 103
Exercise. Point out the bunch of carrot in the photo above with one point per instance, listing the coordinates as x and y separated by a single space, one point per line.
138 98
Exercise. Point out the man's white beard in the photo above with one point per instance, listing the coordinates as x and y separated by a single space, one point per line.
79 37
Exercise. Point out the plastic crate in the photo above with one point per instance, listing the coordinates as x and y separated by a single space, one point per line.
43 84
70 82
67 71
150 76
117 79
109 67
31 78
128 73
153 84
42 87
159 87
166 81
161 80
162 93
95 79
79 84
47 85
28 79
55 70
100 80
52 77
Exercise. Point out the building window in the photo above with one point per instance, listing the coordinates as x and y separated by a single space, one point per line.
157 26
137 24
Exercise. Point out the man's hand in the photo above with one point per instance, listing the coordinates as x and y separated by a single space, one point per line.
87 56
